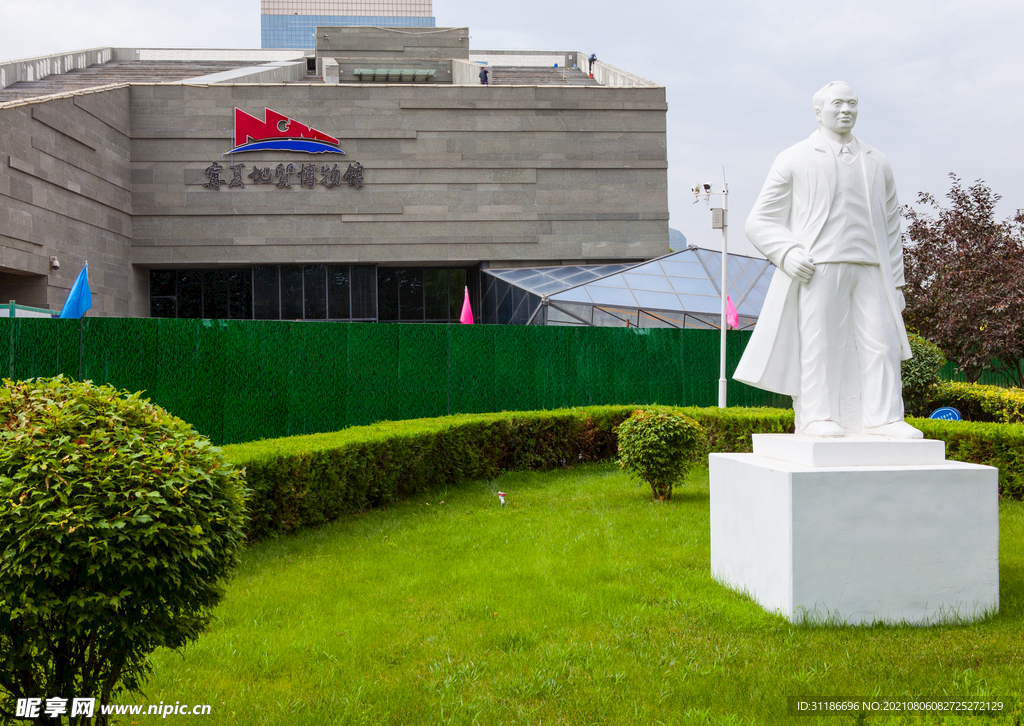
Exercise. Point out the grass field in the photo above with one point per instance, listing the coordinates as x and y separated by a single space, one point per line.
581 602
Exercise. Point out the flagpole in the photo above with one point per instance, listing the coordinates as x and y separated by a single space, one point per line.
81 330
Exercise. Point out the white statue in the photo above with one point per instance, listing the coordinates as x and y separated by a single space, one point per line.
829 219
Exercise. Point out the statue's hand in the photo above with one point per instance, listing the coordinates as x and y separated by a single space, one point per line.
901 302
798 265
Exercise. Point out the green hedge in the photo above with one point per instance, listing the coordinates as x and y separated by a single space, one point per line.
992 444
981 403
302 481
306 480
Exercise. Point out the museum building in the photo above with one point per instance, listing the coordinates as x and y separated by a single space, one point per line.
373 179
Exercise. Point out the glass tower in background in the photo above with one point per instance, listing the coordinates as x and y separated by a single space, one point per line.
292 23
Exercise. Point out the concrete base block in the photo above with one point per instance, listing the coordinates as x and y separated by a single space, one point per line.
857 544
815 451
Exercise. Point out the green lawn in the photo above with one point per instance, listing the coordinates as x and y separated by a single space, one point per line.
581 602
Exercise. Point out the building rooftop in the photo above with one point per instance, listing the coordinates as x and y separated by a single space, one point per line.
434 56
534 76
116 71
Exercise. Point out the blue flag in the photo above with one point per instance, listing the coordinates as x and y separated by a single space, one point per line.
80 298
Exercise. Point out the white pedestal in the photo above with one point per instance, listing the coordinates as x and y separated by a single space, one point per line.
856 530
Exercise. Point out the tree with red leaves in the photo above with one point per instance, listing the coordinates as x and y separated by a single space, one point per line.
965 281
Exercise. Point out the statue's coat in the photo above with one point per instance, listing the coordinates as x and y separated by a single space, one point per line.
790 211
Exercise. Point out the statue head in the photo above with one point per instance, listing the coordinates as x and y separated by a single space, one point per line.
835 107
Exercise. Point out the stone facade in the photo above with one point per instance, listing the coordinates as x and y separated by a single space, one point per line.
396 43
452 175
66 192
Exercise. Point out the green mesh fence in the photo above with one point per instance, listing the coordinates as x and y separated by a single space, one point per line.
371 383
950 372
242 380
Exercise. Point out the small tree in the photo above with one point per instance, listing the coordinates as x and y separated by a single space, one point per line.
118 523
659 446
965 281
920 374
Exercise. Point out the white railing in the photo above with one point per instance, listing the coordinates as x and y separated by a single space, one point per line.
608 75
33 69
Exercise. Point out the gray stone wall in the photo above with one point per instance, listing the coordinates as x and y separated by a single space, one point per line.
65 192
373 42
510 175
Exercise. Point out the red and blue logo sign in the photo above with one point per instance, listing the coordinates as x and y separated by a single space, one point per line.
279 133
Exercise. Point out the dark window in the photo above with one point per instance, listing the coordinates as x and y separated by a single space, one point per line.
364 292
162 307
190 293
387 293
435 293
456 293
266 293
291 292
215 294
240 287
338 289
410 294
161 283
310 292
315 292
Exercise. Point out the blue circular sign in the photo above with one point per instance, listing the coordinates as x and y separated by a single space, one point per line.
946 413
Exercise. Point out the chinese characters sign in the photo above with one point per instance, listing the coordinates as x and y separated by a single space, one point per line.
282 176
277 132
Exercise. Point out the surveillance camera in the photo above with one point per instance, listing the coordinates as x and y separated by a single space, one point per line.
695 189
707 188
54 264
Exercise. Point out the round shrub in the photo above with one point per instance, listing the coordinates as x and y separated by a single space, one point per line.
920 374
118 524
659 446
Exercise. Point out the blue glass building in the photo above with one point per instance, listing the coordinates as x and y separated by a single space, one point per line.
292 23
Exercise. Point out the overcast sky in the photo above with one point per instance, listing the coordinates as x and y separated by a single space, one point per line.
941 83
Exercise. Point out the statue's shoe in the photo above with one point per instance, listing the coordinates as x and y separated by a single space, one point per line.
822 428
896 430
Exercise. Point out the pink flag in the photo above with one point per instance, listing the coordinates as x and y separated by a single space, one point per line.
732 318
467 311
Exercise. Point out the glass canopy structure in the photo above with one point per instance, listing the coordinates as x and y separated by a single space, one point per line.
679 290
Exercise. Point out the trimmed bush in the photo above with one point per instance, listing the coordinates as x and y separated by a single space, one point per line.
998 445
976 402
118 523
730 429
659 446
920 374
306 480
302 481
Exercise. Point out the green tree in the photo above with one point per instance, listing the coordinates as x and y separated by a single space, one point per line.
921 374
658 446
965 281
118 523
